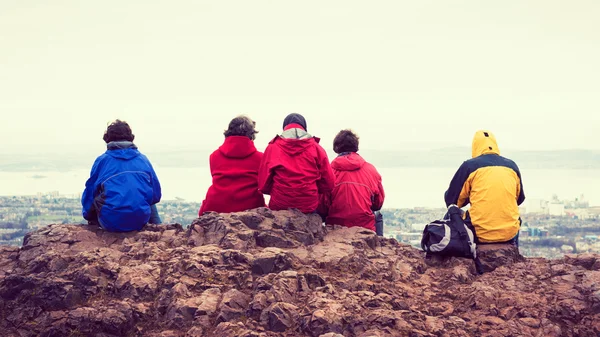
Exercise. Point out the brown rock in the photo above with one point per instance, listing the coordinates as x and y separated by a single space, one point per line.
233 306
226 329
434 324
493 256
257 305
530 322
325 320
138 282
261 273
461 274
250 219
195 331
182 311
279 316
274 238
209 301
491 320
270 261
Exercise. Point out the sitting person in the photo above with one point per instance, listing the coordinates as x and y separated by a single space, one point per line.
122 191
295 168
492 185
234 169
358 193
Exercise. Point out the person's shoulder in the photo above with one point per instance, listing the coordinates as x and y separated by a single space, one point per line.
510 163
472 164
215 153
274 139
369 166
315 142
104 157
143 158
141 155
508 160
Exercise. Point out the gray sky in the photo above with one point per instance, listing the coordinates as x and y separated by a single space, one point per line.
401 73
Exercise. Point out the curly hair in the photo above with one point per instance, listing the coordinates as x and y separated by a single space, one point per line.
345 141
118 131
241 126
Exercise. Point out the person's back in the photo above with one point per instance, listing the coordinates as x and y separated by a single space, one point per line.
492 185
358 190
234 169
123 188
295 168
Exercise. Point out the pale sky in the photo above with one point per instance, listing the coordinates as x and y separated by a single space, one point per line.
400 73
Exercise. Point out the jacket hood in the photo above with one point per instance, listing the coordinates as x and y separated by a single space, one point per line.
484 142
122 150
294 141
347 162
295 133
237 147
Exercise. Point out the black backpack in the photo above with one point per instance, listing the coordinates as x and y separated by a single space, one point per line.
451 236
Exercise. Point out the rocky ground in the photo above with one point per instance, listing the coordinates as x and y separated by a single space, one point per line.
263 273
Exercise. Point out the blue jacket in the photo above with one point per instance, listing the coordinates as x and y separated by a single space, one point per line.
121 188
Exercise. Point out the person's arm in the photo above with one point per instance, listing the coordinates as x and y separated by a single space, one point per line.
379 195
211 167
520 192
459 189
156 189
265 174
327 181
324 205
87 199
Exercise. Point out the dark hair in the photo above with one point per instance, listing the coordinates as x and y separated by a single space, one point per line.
241 126
345 141
118 131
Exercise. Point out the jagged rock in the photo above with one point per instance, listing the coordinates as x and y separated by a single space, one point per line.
262 273
139 282
270 261
233 306
324 320
195 331
279 316
251 219
493 256
225 329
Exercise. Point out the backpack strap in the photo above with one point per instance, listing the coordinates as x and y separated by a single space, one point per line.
455 214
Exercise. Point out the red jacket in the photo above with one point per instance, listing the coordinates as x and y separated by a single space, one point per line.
357 193
234 170
294 171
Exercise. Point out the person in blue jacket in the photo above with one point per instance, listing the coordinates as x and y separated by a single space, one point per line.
123 189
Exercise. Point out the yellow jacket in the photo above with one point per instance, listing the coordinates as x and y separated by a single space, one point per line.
492 185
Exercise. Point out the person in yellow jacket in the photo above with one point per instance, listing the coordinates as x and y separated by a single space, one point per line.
492 185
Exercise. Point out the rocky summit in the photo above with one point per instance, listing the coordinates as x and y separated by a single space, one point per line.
264 273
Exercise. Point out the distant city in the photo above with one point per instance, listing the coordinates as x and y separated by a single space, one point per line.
22 214
551 228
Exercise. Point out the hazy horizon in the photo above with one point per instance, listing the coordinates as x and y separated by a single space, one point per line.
424 73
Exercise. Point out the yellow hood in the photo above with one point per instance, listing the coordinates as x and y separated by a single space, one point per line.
484 142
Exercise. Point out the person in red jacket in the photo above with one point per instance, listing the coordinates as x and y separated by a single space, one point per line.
234 169
295 168
358 193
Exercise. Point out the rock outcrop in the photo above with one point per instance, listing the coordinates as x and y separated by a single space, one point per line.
263 273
